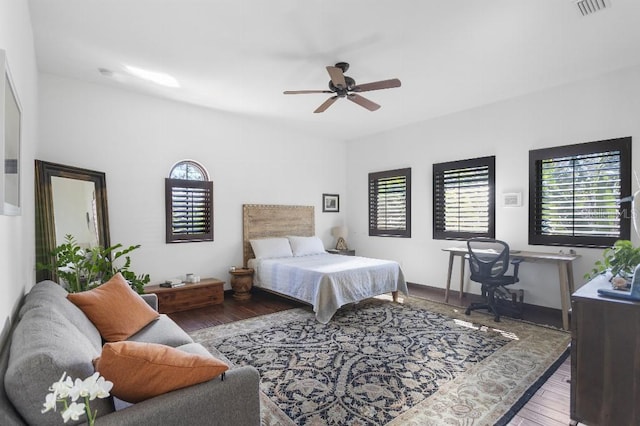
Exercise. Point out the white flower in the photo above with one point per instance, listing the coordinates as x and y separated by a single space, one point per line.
49 403
101 389
77 390
94 386
61 388
74 411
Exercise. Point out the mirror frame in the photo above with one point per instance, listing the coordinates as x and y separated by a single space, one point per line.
45 220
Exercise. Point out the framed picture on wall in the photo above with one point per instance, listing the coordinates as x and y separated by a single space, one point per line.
330 203
10 132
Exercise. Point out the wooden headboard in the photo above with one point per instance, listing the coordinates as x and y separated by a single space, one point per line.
267 220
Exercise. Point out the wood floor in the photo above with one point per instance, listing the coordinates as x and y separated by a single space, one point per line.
548 407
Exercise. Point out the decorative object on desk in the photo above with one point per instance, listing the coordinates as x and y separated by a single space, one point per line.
83 269
191 278
340 232
632 294
621 260
172 283
330 203
619 283
94 386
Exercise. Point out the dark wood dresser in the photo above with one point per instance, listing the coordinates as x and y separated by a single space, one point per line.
209 291
605 357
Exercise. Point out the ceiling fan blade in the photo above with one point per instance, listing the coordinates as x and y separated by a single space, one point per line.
377 85
337 77
363 102
301 92
326 104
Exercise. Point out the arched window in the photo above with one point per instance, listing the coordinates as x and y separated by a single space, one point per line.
189 203
188 170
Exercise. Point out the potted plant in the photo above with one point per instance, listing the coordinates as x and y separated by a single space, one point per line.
82 269
621 260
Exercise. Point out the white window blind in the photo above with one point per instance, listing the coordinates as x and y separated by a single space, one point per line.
463 205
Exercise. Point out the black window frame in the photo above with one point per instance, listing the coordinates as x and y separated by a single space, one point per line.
439 171
536 158
375 179
189 205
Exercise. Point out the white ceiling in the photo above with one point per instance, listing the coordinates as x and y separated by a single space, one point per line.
239 56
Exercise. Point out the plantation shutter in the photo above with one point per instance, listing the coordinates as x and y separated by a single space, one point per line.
190 204
577 197
390 203
463 205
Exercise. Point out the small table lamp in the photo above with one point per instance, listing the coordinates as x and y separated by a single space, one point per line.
340 232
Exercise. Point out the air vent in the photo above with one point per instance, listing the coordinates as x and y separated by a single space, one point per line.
589 7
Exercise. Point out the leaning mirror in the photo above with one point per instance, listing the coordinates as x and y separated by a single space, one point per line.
10 117
69 200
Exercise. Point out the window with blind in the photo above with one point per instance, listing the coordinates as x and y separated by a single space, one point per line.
575 194
189 203
464 199
390 203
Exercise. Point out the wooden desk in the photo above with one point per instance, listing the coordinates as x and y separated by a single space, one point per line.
565 273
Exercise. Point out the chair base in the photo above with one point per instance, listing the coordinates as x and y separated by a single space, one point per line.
491 309
500 300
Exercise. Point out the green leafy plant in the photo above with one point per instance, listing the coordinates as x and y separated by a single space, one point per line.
621 260
84 269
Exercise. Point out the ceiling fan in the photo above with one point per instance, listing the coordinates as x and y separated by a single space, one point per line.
345 87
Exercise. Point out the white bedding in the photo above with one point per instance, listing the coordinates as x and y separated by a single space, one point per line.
328 281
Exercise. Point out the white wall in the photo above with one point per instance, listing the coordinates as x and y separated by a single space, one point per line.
136 139
603 108
17 241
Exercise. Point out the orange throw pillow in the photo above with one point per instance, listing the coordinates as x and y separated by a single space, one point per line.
141 371
114 308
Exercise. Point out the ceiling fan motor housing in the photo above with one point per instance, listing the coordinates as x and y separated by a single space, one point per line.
342 92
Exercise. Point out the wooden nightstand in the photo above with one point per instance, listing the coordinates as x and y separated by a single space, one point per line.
241 283
342 252
209 291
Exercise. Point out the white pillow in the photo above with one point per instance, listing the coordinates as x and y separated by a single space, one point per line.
304 246
265 248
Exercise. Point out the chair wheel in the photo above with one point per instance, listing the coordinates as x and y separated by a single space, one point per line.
467 312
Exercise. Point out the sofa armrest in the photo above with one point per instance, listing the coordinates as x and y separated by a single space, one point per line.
151 299
232 401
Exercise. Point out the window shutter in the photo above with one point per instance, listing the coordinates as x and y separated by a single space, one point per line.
190 207
464 202
389 203
576 199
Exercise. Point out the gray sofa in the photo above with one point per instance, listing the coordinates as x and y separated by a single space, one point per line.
52 335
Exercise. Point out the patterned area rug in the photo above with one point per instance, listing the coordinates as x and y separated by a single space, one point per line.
379 362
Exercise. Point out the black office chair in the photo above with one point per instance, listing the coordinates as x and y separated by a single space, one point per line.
488 263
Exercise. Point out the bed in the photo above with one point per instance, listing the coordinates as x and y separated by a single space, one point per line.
307 273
